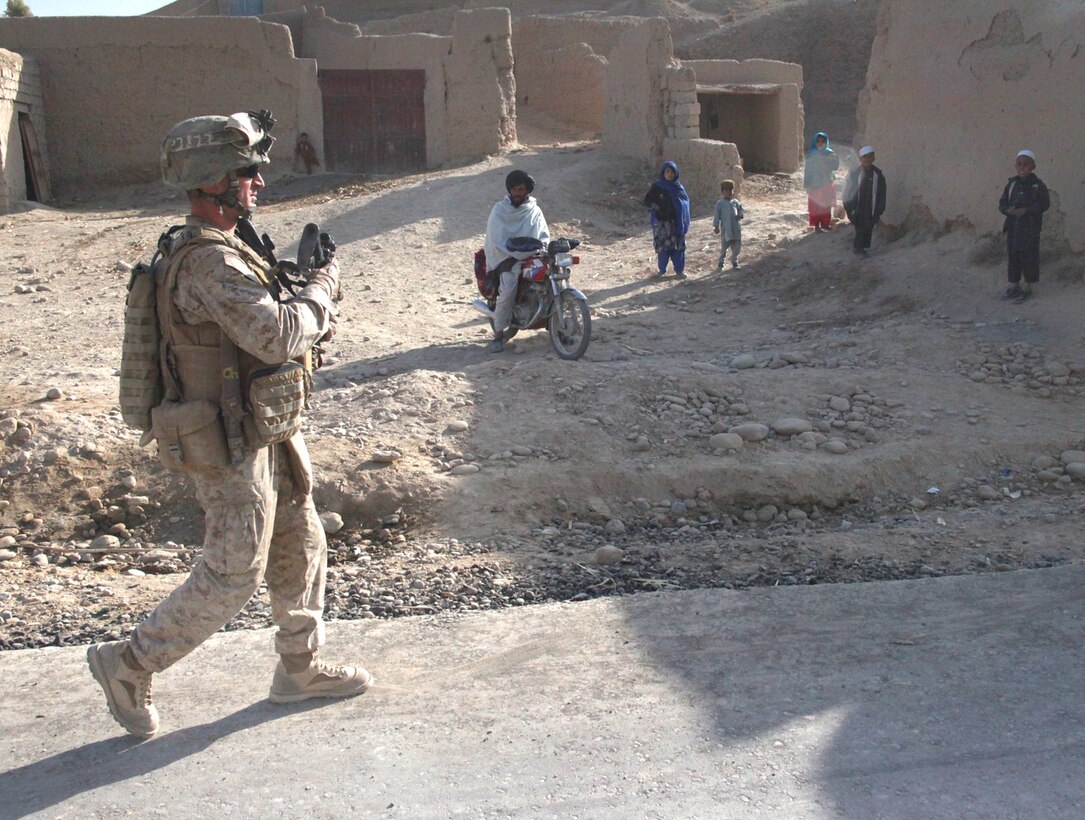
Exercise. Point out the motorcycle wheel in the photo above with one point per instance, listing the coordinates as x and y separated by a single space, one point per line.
569 326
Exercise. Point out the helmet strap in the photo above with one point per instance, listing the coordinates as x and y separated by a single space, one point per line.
228 199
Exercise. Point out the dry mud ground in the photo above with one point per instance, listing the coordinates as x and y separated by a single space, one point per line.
949 411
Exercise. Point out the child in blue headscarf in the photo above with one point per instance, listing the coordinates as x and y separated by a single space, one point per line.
668 206
817 179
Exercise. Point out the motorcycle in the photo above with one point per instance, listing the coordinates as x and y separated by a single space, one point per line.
544 297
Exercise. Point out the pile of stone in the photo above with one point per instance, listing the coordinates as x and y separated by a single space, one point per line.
846 423
1069 466
1022 367
40 440
704 411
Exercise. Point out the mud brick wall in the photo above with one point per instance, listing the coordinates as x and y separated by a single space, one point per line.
20 92
955 90
113 86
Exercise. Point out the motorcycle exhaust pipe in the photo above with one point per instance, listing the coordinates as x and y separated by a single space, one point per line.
482 308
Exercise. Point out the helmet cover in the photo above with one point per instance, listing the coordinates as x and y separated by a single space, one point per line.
200 151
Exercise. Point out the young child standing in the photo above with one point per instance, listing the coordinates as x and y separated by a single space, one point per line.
1024 200
305 152
727 222
668 208
817 179
864 198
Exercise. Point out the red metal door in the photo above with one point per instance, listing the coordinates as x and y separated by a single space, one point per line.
374 121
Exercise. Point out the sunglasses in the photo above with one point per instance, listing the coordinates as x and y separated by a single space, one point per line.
249 172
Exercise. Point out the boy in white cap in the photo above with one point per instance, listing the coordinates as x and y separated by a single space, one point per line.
864 198
1024 200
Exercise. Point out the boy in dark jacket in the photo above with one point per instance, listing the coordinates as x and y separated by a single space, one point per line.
1024 200
864 198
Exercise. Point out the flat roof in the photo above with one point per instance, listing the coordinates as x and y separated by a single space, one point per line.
740 88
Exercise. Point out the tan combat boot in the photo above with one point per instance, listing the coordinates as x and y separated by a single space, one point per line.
127 687
315 679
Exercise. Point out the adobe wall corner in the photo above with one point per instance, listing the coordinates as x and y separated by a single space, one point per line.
480 86
20 98
633 122
954 90
704 165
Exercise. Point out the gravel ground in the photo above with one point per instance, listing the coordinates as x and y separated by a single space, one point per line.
390 572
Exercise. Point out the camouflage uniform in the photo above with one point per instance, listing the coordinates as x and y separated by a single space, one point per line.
260 518
218 327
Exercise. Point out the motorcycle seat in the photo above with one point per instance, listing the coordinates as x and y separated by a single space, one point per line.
523 244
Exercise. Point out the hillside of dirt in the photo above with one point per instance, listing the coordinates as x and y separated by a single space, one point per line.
811 417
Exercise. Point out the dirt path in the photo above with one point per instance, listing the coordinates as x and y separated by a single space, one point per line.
877 381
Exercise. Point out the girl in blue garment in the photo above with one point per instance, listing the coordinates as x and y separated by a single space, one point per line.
668 206
817 179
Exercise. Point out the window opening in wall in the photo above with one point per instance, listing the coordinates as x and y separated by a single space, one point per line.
37 186
746 115
246 8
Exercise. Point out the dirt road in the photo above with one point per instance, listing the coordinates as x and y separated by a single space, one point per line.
895 418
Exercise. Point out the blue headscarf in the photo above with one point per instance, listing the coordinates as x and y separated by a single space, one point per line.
679 198
814 143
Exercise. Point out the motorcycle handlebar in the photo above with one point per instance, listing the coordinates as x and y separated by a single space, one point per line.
529 244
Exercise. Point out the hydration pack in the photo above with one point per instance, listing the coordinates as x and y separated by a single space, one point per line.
141 374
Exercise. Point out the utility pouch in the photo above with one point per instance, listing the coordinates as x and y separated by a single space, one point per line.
190 436
141 382
277 397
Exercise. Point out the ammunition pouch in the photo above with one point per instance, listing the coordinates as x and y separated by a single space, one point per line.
141 381
276 398
190 436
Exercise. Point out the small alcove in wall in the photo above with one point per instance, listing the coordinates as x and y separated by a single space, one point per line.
748 115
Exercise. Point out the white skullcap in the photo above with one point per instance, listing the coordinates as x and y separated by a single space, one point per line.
866 149
1024 152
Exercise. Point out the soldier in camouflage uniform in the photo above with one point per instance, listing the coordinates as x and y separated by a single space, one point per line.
261 523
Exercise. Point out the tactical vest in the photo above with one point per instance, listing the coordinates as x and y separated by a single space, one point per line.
261 404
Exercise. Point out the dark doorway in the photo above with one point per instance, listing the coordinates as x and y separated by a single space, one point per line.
374 121
748 116
37 186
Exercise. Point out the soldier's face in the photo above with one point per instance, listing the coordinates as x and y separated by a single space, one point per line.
247 189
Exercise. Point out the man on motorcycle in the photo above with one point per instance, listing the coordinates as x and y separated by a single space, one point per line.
518 214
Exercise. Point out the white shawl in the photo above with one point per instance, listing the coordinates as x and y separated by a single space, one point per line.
506 222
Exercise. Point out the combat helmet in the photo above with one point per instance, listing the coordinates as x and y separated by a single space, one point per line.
200 151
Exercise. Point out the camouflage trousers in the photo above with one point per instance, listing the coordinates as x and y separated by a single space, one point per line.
257 527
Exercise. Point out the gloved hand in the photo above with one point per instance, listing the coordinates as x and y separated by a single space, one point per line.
316 248
321 291
323 280
327 245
